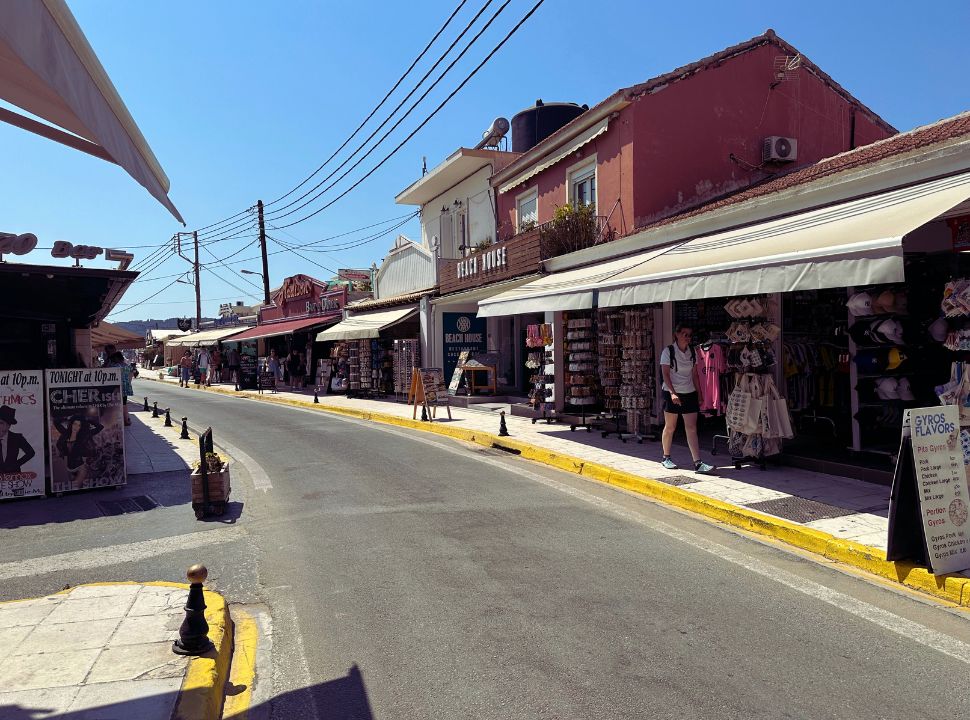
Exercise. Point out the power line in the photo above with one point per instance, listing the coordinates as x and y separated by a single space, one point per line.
424 122
324 267
362 145
380 104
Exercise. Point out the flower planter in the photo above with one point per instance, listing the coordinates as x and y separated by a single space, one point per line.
219 487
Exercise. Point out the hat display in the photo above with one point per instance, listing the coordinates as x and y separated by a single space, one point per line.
885 302
887 388
860 304
870 361
902 303
8 415
889 330
895 358
904 389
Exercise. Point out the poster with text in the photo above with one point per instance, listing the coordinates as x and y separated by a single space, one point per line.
462 331
942 486
86 428
21 433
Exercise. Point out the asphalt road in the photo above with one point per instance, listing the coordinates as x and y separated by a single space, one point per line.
408 576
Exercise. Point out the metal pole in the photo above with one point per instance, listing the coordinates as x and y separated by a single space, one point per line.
262 247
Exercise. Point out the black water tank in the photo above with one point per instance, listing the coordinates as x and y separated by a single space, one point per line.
532 126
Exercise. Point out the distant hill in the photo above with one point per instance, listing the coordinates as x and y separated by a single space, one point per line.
142 326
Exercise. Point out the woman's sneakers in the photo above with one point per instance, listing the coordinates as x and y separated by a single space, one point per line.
668 463
702 468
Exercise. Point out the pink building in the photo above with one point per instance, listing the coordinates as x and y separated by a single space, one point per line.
733 120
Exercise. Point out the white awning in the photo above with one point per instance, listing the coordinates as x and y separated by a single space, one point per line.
564 151
853 243
367 325
205 337
571 290
47 67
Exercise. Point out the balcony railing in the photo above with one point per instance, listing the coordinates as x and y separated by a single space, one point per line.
573 232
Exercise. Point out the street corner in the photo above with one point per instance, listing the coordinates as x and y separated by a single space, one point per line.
252 635
202 694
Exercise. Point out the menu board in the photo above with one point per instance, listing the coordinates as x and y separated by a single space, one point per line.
942 486
247 371
459 373
21 433
427 390
85 425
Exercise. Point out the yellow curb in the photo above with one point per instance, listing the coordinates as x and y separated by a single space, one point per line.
201 695
952 588
242 673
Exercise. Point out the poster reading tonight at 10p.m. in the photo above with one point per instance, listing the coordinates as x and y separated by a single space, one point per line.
86 426
21 433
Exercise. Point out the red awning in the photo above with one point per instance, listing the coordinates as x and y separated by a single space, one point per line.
285 327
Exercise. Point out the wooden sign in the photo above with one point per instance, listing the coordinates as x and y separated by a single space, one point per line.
459 373
427 389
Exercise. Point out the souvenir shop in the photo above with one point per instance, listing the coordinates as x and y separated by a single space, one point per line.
371 354
812 333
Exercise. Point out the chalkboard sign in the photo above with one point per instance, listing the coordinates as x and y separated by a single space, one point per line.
459 373
247 372
267 381
427 389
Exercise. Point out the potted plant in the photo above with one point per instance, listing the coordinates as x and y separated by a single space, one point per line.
218 481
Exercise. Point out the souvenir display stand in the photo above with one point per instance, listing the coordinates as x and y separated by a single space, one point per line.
370 368
407 357
610 331
627 371
542 381
581 382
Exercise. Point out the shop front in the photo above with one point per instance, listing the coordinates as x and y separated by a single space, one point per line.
457 326
373 354
287 328
837 308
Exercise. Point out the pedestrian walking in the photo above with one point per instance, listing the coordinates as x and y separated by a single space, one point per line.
185 368
205 360
678 365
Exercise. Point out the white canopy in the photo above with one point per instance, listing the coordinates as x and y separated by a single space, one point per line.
858 242
48 68
367 325
206 337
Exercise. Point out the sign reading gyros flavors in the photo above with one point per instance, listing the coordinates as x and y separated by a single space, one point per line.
21 433
86 428
942 486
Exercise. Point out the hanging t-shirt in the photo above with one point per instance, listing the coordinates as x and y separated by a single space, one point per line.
711 364
681 371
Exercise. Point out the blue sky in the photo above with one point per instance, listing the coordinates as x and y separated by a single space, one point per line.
242 100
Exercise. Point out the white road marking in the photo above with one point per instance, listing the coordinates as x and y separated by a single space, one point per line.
115 554
260 478
883 618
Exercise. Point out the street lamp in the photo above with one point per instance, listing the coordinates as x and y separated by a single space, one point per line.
251 272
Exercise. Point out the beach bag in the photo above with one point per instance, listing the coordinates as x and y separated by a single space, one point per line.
776 413
743 409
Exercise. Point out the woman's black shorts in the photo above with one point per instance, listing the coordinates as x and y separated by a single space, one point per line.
688 403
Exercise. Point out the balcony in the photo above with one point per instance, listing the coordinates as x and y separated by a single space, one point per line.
569 231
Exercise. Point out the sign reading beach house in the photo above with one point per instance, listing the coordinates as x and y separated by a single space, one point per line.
942 486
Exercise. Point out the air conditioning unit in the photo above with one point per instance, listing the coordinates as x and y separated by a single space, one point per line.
779 149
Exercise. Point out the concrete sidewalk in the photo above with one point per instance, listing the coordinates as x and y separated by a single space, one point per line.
842 519
105 651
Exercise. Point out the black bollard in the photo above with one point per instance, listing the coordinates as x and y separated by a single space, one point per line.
146 403
194 631
424 413
155 410
168 417
316 398
185 429
503 431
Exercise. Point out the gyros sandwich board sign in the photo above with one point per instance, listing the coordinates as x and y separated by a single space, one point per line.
939 473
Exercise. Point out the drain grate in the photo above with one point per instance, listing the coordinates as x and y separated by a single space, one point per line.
138 503
799 509
678 480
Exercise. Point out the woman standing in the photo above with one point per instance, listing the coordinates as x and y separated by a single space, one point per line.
295 367
678 364
273 365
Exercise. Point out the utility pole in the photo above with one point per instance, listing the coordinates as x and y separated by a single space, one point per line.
262 246
198 294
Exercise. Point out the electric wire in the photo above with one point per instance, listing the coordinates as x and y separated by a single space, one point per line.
276 213
378 106
324 267
423 123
